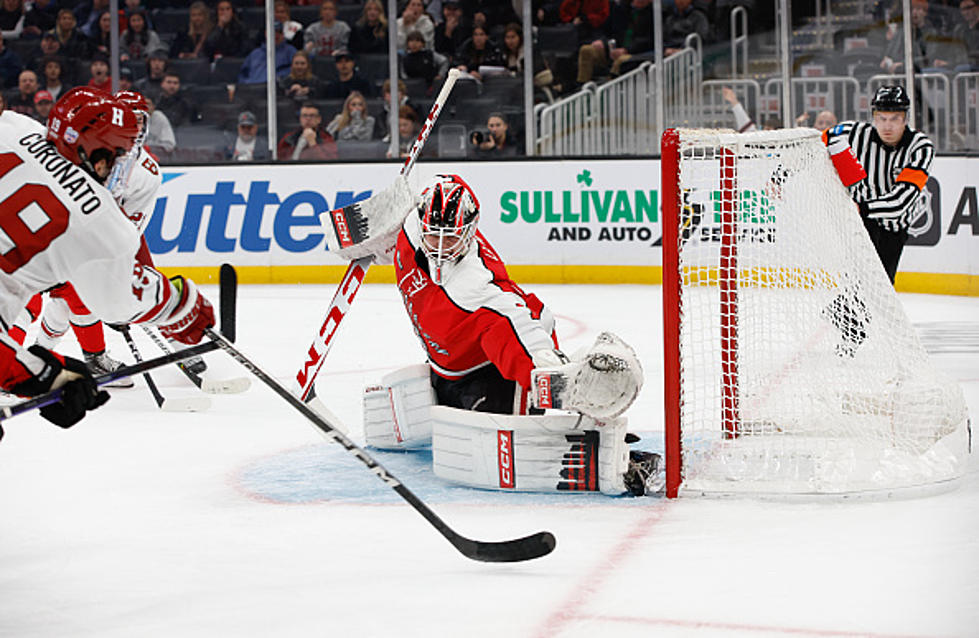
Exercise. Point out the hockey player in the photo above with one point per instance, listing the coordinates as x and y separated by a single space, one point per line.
64 225
488 343
885 165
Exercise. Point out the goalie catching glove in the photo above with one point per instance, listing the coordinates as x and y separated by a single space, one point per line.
371 227
79 391
601 382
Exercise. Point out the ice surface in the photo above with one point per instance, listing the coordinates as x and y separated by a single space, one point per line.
243 521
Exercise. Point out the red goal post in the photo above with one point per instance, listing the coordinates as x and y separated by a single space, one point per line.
790 366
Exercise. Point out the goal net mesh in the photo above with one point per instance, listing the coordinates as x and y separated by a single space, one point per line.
799 371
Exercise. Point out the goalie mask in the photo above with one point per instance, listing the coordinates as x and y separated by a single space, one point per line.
88 125
447 218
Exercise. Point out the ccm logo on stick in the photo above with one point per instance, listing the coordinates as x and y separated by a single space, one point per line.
504 452
544 391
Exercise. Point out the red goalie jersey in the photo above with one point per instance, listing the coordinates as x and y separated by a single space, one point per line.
59 224
476 317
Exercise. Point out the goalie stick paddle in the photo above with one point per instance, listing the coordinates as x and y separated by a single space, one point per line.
357 270
520 549
126 371
180 404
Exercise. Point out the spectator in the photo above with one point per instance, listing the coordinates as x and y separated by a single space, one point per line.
228 37
589 16
292 30
966 31
310 141
125 79
40 17
101 41
414 18
499 141
43 101
407 130
353 122
419 62
157 65
452 31
99 70
348 78
742 121
370 32
381 124
73 42
631 31
52 73
247 145
160 139
824 119
189 44
254 68
478 51
174 103
301 84
327 35
930 49
11 18
21 100
10 65
489 13
679 22
87 16
138 38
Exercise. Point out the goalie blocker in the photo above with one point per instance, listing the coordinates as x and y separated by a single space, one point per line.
556 452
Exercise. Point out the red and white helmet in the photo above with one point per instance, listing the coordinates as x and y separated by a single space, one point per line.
86 121
447 218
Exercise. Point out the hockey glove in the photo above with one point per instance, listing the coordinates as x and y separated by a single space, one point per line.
192 316
79 393
844 160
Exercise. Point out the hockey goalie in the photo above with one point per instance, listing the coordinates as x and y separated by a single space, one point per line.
494 368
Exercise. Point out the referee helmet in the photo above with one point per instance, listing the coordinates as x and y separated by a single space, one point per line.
890 98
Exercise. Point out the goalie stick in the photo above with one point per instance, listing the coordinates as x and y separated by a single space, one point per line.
520 549
182 404
126 371
347 224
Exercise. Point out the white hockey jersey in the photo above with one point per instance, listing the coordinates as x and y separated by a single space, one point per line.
139 195
58 224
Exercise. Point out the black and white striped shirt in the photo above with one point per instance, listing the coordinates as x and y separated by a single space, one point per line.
895 174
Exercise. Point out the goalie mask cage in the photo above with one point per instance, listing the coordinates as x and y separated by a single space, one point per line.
790 366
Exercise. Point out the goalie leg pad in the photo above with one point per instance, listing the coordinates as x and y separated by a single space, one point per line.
601 382
549 453
396 411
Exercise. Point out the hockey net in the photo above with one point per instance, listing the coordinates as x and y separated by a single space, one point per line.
790 365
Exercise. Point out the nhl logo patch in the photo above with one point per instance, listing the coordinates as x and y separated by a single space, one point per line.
71 135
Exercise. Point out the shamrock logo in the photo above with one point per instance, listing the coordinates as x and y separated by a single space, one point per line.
585 177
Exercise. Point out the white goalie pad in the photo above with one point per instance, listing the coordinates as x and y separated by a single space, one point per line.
601 382
371 227
396 411
549 453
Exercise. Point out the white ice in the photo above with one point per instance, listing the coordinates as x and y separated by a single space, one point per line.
243 521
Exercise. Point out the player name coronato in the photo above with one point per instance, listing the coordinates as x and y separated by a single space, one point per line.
71 178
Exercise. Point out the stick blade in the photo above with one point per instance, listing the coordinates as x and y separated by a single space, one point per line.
228 282
515 551
236 385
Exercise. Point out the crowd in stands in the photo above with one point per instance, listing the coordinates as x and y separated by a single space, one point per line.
203 64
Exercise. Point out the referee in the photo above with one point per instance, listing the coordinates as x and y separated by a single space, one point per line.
885 171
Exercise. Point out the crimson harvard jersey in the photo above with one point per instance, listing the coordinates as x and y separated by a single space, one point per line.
478 316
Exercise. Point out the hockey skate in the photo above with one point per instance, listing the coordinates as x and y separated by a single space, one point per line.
643 476
102 363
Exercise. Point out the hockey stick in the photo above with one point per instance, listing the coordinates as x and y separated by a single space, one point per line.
234 385
183 404
345 226
127 371
527 548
